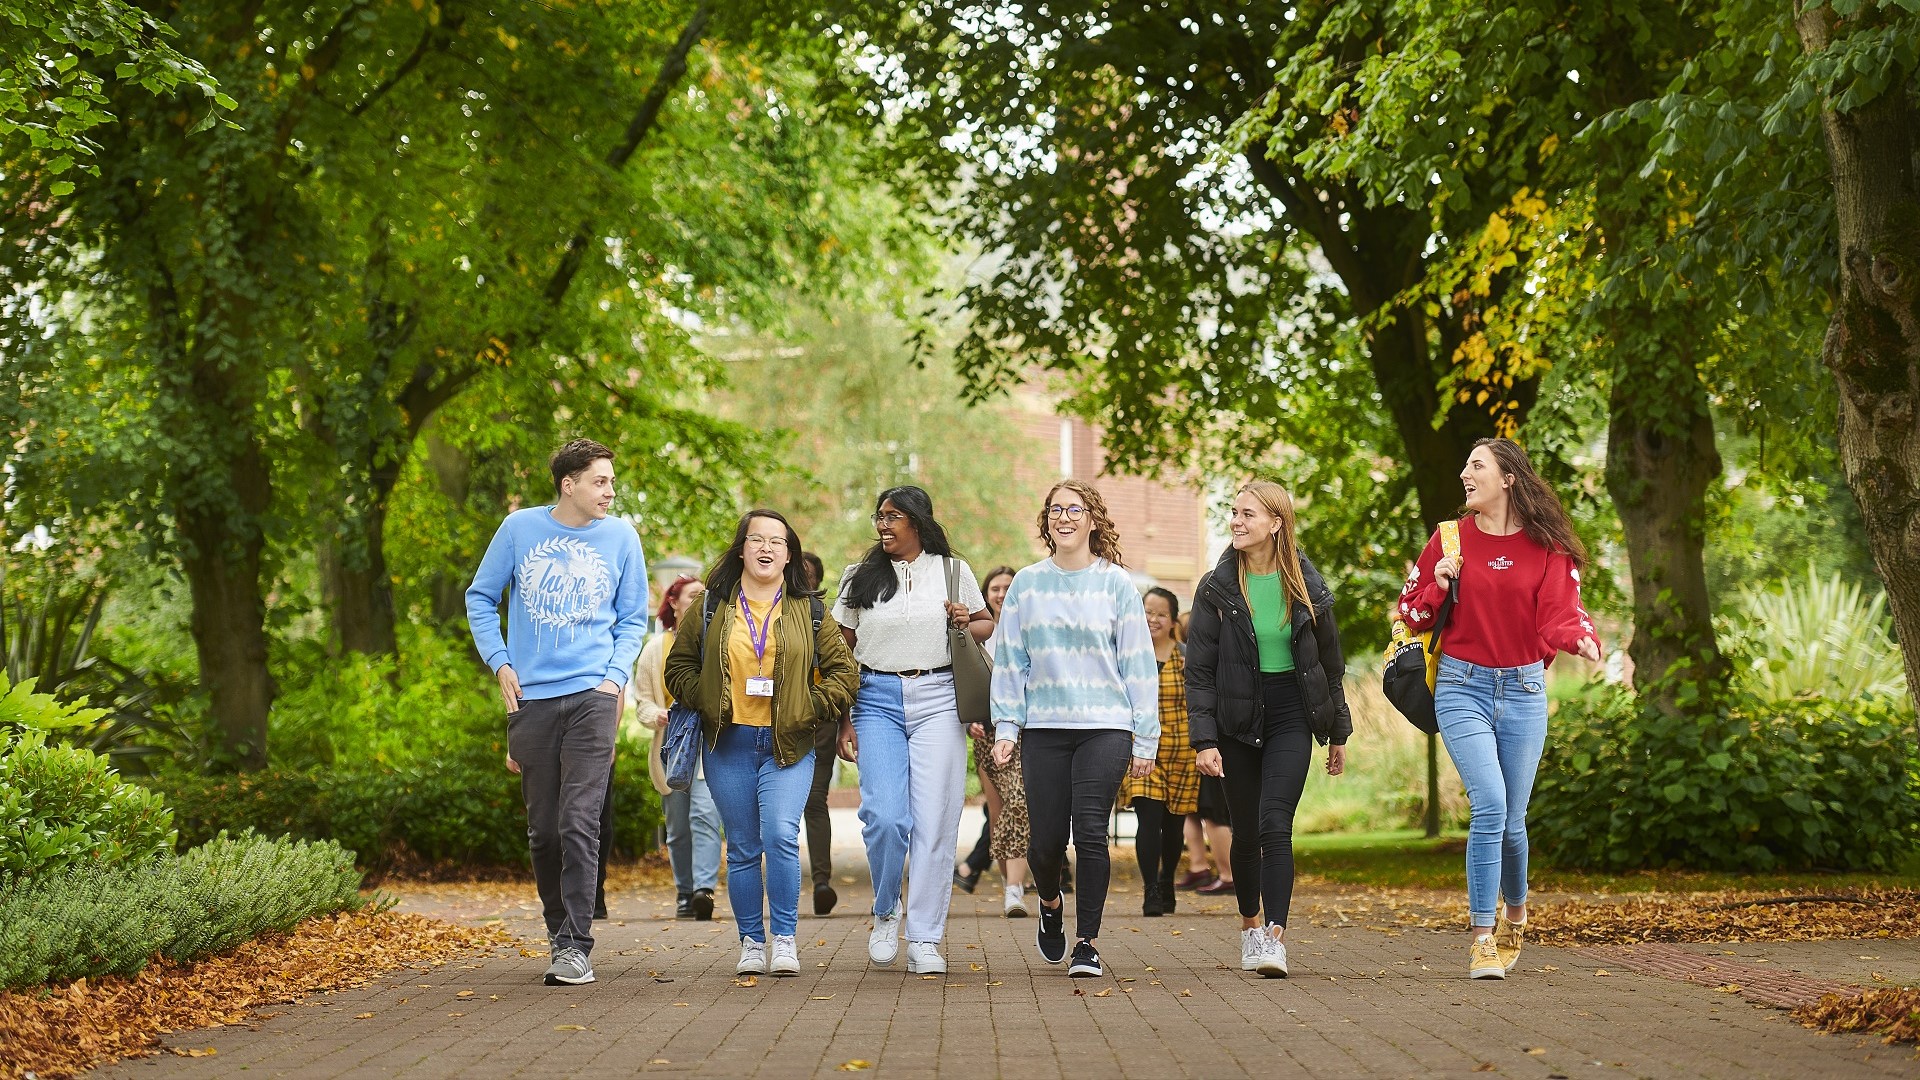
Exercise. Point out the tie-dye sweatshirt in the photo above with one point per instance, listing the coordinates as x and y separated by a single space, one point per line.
1072 650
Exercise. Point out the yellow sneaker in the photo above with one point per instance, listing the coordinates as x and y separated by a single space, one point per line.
1507 939
1483 959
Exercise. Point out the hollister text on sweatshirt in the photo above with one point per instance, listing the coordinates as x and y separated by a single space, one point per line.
575 602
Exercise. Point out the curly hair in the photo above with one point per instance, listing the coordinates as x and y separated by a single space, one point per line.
1105 542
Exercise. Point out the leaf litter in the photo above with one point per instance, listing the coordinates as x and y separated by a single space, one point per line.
60 1031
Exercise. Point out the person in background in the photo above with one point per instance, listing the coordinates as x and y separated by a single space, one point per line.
825 758
1518 607
1006 832
896 606
752 679
1074 686
1163 798
693 823
1264 681
967 873
572 583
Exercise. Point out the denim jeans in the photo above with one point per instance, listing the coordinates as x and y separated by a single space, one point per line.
760 805
693 837
1494 722
913 781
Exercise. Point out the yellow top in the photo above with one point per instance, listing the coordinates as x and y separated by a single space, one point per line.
750 711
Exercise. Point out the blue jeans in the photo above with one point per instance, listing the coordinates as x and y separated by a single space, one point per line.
1494 722
693 837
760 805
913 781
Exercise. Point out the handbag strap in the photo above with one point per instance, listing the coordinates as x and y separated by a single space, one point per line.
952 587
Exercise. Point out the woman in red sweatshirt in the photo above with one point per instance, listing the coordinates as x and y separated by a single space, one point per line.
1518 606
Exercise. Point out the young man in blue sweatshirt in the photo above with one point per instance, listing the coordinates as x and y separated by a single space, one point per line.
573 585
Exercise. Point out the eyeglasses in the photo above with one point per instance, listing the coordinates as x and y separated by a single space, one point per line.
756 540
1071 513
889 519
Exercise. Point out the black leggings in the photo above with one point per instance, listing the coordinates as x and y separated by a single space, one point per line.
1158 840
1071 777
1263 790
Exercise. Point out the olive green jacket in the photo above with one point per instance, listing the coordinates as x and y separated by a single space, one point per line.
801 700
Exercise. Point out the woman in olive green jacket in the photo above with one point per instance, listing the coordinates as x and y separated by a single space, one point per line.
770 668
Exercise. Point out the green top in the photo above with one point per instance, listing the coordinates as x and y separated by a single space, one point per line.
1272 629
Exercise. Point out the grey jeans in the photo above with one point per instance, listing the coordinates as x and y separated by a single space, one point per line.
564 746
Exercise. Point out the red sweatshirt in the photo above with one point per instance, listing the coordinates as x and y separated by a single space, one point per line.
1518 603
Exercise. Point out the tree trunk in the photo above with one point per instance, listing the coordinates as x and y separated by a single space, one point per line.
223 568
357 590
1873 342
1661 461
453 474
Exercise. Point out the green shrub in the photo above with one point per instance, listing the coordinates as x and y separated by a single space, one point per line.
92 919
1752 786
358 710
1815 636
61 805
464 809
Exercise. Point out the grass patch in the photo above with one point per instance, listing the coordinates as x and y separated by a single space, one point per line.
1406 859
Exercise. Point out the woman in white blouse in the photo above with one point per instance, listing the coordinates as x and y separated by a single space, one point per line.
904 731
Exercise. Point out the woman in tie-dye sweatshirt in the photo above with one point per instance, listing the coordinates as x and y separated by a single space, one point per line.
1074 681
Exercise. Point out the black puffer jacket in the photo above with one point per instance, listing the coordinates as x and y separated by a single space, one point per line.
1223 662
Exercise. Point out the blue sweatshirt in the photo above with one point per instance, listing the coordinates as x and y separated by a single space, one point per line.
1072 650
576 602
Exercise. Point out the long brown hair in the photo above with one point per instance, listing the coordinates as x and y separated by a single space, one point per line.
1541 516
1105 542
1286 546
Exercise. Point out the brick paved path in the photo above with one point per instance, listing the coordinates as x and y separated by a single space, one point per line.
1361 1003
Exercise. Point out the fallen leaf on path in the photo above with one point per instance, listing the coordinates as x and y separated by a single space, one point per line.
1602 973
747 980
822 997
1186 993
1485 1066
456 1016
181 1051
464 994
1728 988
659 1061
977 967
1108 992
569 1027
1536 1051
363 1016
856 1065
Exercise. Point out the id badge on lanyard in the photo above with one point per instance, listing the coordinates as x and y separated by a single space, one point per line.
760 685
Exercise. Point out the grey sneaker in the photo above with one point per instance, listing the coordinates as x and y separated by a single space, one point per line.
570 967
883 942
753 957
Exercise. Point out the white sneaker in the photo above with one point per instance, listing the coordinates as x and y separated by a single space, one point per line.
1016 902
753 957
883 943
923 958
1253 947
786 956
1273 957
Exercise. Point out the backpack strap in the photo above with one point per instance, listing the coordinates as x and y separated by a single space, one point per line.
819 607
708 604
1450 539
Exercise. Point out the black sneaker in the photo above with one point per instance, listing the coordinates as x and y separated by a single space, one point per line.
683 909
823 899
1051 938
702 905
966 880
1086 961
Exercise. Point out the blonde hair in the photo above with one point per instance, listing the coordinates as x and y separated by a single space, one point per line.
1105 542
1285 546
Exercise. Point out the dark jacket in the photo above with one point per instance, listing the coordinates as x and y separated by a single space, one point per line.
801 701
1223 662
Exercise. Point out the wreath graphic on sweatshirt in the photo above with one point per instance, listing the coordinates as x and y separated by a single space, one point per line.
562 581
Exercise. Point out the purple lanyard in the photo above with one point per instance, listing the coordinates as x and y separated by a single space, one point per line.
757 634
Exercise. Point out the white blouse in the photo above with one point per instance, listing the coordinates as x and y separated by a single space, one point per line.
908 632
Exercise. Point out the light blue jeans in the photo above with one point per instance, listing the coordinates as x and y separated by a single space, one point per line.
913 781
760 805
1494 722
693 837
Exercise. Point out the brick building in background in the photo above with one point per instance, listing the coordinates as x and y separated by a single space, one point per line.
1164 532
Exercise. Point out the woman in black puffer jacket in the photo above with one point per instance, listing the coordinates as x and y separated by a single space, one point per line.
1264 673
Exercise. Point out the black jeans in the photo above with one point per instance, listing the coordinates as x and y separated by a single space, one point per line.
1263 790
1071 777
565 746
819 822
606 846
981 856
1159 839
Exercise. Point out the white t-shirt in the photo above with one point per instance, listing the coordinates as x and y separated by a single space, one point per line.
908 631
